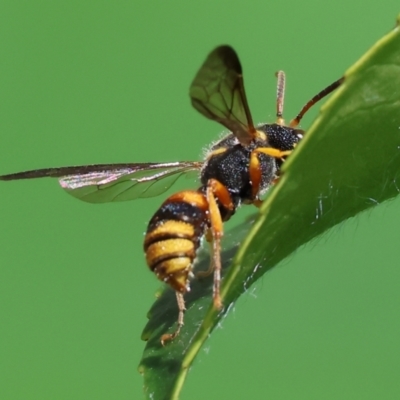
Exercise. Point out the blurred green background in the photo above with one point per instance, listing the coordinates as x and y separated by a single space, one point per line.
101 81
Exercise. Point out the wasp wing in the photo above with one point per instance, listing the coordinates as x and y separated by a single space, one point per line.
218 93
104 183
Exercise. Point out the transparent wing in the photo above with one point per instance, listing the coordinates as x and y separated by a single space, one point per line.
218 93
103 183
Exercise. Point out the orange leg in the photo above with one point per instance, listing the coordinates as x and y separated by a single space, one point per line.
204 274
258 203
255 168
255 174
216 191
270 151
181 306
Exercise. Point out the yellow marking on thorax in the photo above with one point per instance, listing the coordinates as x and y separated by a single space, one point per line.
261 135
216 152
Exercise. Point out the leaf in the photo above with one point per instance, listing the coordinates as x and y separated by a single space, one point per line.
349 161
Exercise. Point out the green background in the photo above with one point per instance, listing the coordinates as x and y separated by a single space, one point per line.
108 82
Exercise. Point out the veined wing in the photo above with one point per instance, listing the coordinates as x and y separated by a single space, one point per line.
103 183
218 93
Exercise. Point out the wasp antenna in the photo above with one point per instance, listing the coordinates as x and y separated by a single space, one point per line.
329 89
280 96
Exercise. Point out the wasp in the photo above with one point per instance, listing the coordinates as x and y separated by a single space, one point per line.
237 170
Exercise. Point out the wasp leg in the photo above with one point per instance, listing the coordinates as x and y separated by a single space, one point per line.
217 191
217 232
181 306
258 203
270 151
204 274
255 168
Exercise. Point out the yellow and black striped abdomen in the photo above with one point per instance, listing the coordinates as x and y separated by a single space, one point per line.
173 237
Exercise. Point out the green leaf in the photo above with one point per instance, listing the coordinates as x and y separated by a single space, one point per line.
349 161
